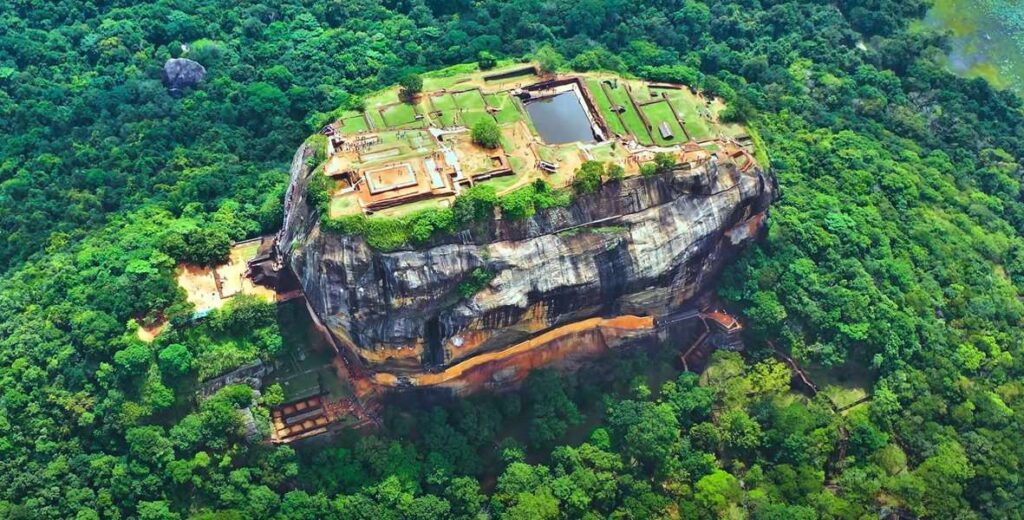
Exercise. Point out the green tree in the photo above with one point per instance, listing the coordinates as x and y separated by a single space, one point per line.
156 510
537 505
412 84
616 172
264 99
588 177
740 431
943 475
647 432
475 204
134 358
273 395
664 162
297 505
716 493
477 280
486 60
206 51
549 59
148 445
551 410
486 133
463 493
690 402
204 245
769 377
519 204
176 359
706 436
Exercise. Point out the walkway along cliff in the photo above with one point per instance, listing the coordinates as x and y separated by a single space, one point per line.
567 282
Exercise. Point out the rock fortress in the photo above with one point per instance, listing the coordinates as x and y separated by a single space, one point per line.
610 268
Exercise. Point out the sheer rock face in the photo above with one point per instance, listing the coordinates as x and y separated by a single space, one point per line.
181 73
643 247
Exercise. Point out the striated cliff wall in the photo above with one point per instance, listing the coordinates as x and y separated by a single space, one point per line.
638 248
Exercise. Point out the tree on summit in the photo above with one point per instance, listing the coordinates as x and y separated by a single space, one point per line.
486 133
411 84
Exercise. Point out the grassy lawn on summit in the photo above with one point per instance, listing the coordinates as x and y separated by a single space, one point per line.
447 110
354 124
692 110
443 102
472 117
400 114
634 125
661 112
500 183
507 111
470 100
604 105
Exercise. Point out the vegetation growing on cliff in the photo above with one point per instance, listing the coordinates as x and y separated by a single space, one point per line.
895 252
477 280
475 206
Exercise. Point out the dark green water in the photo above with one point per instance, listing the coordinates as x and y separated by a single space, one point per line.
560 119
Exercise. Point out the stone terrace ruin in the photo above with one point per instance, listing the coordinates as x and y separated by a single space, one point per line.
400 155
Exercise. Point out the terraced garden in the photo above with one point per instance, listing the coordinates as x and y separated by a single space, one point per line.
353 122
443 110
507 111
618 95
399 115
694 113
661 112
632 110
604 105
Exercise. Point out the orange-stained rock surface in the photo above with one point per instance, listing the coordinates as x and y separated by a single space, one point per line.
513 363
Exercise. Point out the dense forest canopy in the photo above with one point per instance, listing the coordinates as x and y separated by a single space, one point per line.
896 251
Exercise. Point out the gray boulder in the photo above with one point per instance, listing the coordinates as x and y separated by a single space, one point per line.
181 73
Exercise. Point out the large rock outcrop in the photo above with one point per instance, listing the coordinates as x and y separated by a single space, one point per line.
181 73
638 248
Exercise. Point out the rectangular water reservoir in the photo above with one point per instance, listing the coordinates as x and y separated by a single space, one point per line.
561 119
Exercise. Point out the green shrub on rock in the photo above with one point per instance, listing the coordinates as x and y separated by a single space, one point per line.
588 177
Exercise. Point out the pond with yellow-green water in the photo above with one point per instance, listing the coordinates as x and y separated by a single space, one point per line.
986 38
